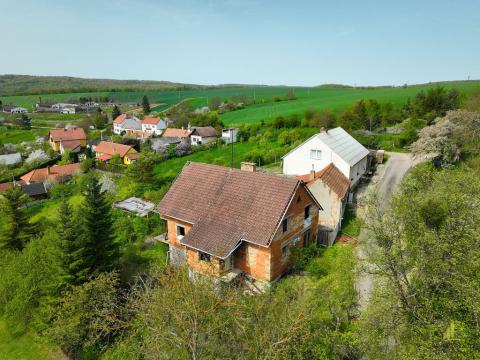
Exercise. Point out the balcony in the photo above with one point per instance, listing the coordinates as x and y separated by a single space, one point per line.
307 223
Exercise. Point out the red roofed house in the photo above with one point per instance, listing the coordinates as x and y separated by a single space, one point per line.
238 221
57 173
73 139
154 126
331 187
182 134
105 150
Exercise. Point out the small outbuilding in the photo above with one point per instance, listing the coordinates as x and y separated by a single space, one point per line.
135 206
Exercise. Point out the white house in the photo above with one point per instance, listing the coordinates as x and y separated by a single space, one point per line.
19 110
230 135
154 125
331 187
333 146
124 125
202 134
68 110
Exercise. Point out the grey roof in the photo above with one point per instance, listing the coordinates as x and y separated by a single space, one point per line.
132 124
135 205
341 143
34 189
205 131
10 159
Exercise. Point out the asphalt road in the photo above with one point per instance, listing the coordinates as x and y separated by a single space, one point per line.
395 169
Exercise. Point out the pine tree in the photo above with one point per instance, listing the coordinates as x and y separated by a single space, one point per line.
73 263
115 112
16 229
24 121
145 105
101 251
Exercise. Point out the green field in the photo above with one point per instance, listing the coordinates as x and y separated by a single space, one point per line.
16 136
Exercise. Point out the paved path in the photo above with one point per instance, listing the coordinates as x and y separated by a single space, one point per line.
388 179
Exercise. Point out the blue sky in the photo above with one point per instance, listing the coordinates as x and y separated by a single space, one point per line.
261 42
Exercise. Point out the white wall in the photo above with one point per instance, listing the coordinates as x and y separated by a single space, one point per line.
298 162
357 171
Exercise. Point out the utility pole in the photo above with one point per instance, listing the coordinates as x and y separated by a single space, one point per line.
231 145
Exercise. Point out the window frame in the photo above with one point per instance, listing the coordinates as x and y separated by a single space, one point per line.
203 256
306 212
178 227
315 157
285 225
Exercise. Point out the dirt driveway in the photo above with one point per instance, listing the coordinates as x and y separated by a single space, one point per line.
384 184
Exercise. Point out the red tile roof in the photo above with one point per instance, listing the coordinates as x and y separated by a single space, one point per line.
180 133
332 177
104 157
71 144
120 119
56 172
151 121
110 148
68 134
227 206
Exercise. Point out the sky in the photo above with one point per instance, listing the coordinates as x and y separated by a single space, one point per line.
279 42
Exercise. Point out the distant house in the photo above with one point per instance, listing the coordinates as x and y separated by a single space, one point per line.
182 134
203 135
124 125
56 173
68 110
10 159
19 110
330 187
36 191
333 146
245 221
230 135
61 106
73 139
163 142
105 150
154 125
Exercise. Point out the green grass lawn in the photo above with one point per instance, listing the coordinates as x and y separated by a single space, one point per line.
16 136
351 224
24 347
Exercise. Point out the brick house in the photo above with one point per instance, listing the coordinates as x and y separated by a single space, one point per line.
224 222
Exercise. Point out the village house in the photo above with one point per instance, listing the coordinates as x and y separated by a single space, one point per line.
230 135
55 173
73 139
182 134
226 222
36 191
203 135
105 150
123 125
330 187
19 110
333 146
154 126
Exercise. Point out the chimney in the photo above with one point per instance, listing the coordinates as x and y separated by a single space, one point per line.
312 175
322 129
48 170
248 166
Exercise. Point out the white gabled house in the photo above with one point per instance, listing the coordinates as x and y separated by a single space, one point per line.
154 126
333 146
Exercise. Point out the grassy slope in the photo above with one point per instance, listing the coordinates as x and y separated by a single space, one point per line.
16 136
24 347
331 99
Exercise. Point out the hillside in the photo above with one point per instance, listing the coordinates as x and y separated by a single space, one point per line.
28 85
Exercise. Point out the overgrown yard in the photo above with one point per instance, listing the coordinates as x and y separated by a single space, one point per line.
16 136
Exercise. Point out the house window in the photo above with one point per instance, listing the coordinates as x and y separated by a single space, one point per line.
285 225
316 154
307 212
204 256
285 250
180 230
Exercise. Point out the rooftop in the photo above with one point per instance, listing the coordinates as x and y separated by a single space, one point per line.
68 134
332 177
110 148
227 206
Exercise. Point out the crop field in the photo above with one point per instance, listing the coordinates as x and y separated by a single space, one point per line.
307 98
334 99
